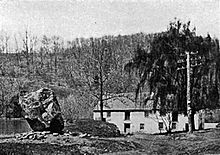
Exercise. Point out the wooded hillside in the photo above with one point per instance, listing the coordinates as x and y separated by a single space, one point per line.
81 70
74 69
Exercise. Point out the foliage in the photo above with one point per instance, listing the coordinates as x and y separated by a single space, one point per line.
212 116
158 66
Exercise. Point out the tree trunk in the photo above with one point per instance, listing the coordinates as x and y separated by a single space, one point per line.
26 42
190 122
101 100
193 120
101 108
101 89
55 62
201 120
41 60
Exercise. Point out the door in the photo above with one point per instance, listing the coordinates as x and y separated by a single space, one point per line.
127 128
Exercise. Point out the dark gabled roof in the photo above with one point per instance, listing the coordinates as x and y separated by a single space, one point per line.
125 110
124 102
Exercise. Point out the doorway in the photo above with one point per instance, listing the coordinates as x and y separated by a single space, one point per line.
127 128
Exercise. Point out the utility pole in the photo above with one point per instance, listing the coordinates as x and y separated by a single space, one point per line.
188 95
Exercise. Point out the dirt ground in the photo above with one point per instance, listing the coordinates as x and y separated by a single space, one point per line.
201 142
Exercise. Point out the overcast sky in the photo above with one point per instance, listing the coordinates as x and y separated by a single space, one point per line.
79 18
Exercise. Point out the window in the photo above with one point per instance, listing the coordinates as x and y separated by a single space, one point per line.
142 126
146 113
127 115
173 125
175 116
97 118
108 114
160 125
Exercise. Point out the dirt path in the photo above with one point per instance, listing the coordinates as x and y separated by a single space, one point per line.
201 142
64 144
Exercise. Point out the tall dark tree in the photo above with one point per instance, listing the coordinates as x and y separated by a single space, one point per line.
159 68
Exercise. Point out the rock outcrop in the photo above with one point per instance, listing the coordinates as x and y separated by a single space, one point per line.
42 111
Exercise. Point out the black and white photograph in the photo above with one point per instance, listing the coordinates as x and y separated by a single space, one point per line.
109 77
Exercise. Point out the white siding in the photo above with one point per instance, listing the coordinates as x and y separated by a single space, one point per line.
210 125
183 120
150 122
196 121
118 119
181 124
136 118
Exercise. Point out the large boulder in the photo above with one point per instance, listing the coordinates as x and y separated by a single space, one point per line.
42 111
